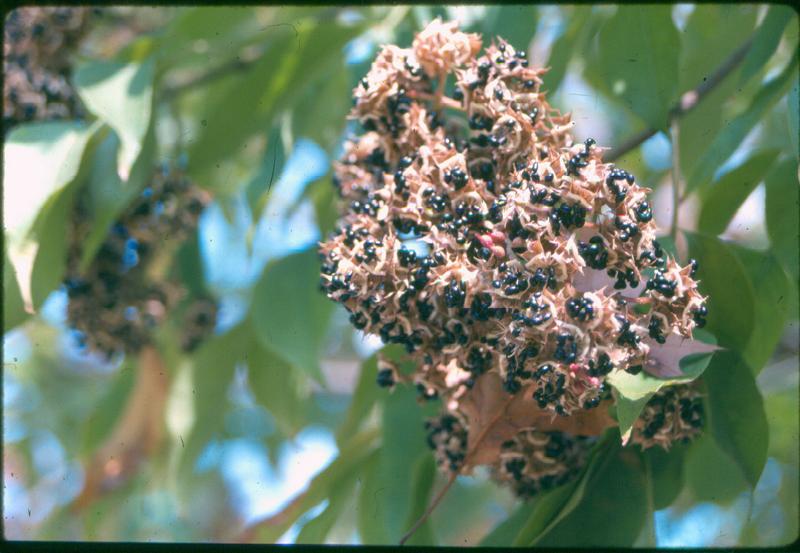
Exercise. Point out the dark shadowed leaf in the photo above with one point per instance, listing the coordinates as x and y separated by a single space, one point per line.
736 414
666 473
613 510
554 506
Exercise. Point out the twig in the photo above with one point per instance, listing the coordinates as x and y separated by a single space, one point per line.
676 176
421 520
439 496
687 102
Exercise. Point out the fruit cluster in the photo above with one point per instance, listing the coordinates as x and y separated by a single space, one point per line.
477 234
117 302
37 43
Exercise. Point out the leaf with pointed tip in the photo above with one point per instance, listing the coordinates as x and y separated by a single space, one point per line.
120 94
721 201
765 41
732 135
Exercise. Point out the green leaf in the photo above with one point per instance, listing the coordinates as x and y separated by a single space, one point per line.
613 510
632 392
248 103
107 411
729 139
782 407
289 313
108 195
40 162
212 371
503 534
782 202
121 94
736 414
580 27
726 195
349 463
362 401
403 443
766 41
731 297
638 58
421 491
711 475
50 262
793 103
324 122
555 505
772 307
514 23
13 307
316 530
666 473
275 386
370 505
703 49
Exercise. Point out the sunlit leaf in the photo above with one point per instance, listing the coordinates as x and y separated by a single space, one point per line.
13 306
275 386
632 392
120 94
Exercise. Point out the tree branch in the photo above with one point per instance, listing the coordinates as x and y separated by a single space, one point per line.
687 102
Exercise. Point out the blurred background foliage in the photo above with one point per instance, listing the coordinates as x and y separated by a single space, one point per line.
274 429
